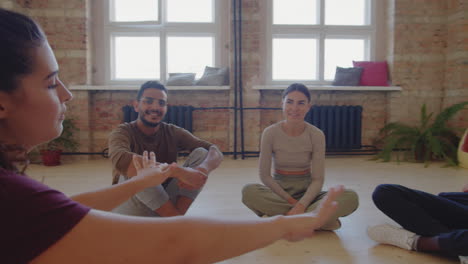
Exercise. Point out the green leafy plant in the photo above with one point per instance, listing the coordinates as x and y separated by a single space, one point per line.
67 140
430 140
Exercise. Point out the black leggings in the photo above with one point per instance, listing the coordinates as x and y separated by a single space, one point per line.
444 215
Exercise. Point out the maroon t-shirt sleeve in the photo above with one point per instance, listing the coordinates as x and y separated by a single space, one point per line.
33 217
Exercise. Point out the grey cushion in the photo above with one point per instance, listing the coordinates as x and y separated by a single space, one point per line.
214 76
180 79
347 76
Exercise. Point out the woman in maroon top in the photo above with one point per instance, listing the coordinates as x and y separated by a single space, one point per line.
41 225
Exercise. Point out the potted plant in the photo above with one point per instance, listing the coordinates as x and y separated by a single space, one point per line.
431 139
51 151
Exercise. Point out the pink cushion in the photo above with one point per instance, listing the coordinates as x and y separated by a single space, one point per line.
375 73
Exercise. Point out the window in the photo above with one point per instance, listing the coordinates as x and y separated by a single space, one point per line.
148 39
310 38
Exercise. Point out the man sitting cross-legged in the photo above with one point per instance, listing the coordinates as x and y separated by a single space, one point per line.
149 133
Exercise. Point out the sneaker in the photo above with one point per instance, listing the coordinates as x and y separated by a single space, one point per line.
463 259
392 235
331 226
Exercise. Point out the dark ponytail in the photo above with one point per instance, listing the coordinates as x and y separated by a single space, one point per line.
19 36
11 155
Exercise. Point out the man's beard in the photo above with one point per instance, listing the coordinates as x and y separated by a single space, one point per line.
148 123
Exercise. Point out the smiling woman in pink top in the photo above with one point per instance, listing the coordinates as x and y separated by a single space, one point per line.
297 151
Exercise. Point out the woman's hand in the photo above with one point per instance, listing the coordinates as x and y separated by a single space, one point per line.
292 201
149 171
298 208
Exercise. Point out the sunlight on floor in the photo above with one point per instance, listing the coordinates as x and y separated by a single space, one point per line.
221 197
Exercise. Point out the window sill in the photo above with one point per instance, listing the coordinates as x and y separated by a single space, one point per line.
137 87
332 88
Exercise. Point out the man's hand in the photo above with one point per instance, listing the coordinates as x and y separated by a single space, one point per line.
149 171
188 178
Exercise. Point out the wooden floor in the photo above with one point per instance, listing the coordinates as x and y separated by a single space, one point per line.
222 198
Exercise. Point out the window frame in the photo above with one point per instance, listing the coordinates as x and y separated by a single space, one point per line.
321 32
105 29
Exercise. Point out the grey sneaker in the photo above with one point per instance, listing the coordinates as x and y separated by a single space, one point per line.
392 235
463 259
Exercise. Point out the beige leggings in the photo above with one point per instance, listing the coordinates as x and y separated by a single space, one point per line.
263 201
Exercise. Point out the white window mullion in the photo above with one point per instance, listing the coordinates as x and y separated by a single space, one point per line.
321 12
217 21
321 41
163 59
321 57
372 21
108 14
370 48
163 39
161 11
370 12
110 58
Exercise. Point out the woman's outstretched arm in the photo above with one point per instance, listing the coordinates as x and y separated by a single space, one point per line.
106 199
109 238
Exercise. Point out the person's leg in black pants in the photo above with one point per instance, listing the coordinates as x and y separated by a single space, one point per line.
441 220
420 212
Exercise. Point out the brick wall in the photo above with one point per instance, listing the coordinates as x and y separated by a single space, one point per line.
429 57
427 46
456 66
253 51
418 66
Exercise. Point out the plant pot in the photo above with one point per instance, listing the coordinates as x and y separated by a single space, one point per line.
420 154
51 157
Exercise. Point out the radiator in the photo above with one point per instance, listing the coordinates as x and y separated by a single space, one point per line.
340 124
180 116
